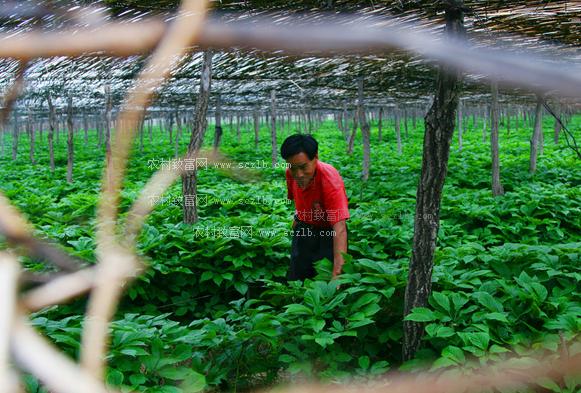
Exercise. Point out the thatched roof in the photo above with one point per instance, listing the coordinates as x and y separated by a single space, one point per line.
244 78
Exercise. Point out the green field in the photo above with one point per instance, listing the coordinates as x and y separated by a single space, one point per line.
212 310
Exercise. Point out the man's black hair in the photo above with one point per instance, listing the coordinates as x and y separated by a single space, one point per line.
299 143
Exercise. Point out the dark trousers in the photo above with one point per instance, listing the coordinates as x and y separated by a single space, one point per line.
309 244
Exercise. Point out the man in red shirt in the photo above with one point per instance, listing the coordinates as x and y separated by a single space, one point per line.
319 228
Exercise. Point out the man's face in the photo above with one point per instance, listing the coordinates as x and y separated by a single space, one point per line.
302 169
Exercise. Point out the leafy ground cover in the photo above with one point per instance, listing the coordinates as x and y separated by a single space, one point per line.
213 311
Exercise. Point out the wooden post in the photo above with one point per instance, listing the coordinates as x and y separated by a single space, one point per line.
238 135
345 122
439 132
405 122
484 122
108 105
97 123
508 121
380 123
497 188
397 130
460 125
541 134
150 129
51 128
141 125
170 127
31 135
70 140
218 125
364 131
256 127
15 137
274 154
2 131
58 129
557 126
339 121
178 134
351 143
86 127
189 177
534 142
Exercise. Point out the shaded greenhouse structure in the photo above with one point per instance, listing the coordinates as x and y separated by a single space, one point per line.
121 68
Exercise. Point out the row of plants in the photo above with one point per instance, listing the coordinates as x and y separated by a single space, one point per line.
214 312
526 300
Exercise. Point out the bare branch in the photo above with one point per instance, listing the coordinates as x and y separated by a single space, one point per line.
572 143
116 39
8 282
116 264
18 232
59 290
36 355
13 92
334 37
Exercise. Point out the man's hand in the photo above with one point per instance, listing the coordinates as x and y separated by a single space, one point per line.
339 247
337 266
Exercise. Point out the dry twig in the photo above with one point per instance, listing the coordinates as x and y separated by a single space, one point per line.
116 263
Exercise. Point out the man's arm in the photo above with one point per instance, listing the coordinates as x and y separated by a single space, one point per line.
339 246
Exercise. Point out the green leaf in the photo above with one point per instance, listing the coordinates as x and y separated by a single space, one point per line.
370 309
497 349
286 358
207 275
363 362
458 301
114 377
241 287
318 325
359 323
388 293
479 340
137 379
432 328
488 301
174 373
299 309
168 389
134 351
379 367
182 352
421 314
454 353
364 300
539 291
443 362
496 316
435 330
442 300
549 384
324 339
217 279
61 338
195 382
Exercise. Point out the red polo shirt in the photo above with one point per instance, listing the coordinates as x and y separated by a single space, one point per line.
323 202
